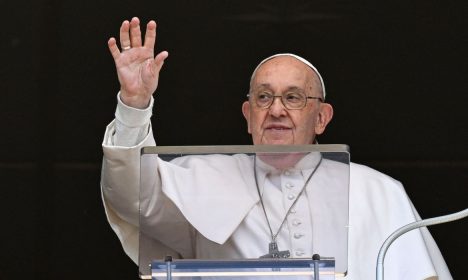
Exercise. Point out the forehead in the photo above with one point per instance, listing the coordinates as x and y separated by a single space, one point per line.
283 70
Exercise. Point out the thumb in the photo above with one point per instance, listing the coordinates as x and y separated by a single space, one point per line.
158 61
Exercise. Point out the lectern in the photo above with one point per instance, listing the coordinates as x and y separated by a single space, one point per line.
323 269
244 212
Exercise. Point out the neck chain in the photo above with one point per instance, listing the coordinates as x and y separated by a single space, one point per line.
273 251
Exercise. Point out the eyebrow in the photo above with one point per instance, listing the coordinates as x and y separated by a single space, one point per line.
290 88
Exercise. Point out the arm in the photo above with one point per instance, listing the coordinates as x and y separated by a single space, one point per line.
138 74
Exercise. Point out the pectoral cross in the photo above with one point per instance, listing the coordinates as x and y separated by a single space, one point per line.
274 253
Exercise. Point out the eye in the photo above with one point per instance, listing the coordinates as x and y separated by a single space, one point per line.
294 97
263 96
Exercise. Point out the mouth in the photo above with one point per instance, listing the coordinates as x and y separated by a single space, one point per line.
277 134
277 127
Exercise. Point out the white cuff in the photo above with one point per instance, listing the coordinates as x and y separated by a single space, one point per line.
133 117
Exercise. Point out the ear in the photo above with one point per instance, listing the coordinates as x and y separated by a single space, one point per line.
324 117
246 113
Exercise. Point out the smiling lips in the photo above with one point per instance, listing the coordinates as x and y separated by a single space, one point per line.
277 127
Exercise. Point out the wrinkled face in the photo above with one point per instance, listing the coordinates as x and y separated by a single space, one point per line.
276 124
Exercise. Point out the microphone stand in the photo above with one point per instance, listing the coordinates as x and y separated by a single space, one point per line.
427 222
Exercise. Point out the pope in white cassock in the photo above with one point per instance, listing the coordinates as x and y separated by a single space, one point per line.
286 106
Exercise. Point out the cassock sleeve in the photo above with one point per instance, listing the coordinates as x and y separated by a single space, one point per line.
120 186
379 205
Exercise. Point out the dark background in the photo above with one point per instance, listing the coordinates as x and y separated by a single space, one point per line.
395 74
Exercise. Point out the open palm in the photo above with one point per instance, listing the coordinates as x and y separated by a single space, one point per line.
137 68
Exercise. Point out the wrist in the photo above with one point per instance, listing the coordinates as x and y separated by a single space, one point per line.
135 101
131 116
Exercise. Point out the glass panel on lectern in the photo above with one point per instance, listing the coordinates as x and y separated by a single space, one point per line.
246 269
243 202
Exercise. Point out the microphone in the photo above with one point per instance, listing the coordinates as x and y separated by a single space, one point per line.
404 229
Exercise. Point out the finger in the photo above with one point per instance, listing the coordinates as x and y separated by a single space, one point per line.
135 32
114 50
158 61
150 35
124 35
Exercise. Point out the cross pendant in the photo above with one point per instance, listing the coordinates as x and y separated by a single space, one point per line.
274 253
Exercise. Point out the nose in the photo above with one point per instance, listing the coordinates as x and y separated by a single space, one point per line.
277 108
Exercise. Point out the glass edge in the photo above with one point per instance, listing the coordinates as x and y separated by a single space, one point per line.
243 149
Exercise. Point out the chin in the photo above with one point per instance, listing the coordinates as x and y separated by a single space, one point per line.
277 142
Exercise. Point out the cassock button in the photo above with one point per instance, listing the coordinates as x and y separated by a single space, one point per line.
291 196
287 173
288 185
298 235
296 222
299 253
293 211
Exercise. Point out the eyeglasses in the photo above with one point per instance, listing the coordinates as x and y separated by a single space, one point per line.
290 100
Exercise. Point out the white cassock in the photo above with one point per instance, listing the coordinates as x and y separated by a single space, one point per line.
193 208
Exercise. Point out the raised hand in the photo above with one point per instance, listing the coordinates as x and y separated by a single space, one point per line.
137 68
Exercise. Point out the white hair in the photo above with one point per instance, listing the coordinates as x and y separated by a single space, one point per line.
303 60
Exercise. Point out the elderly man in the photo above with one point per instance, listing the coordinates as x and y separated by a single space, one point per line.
286 106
